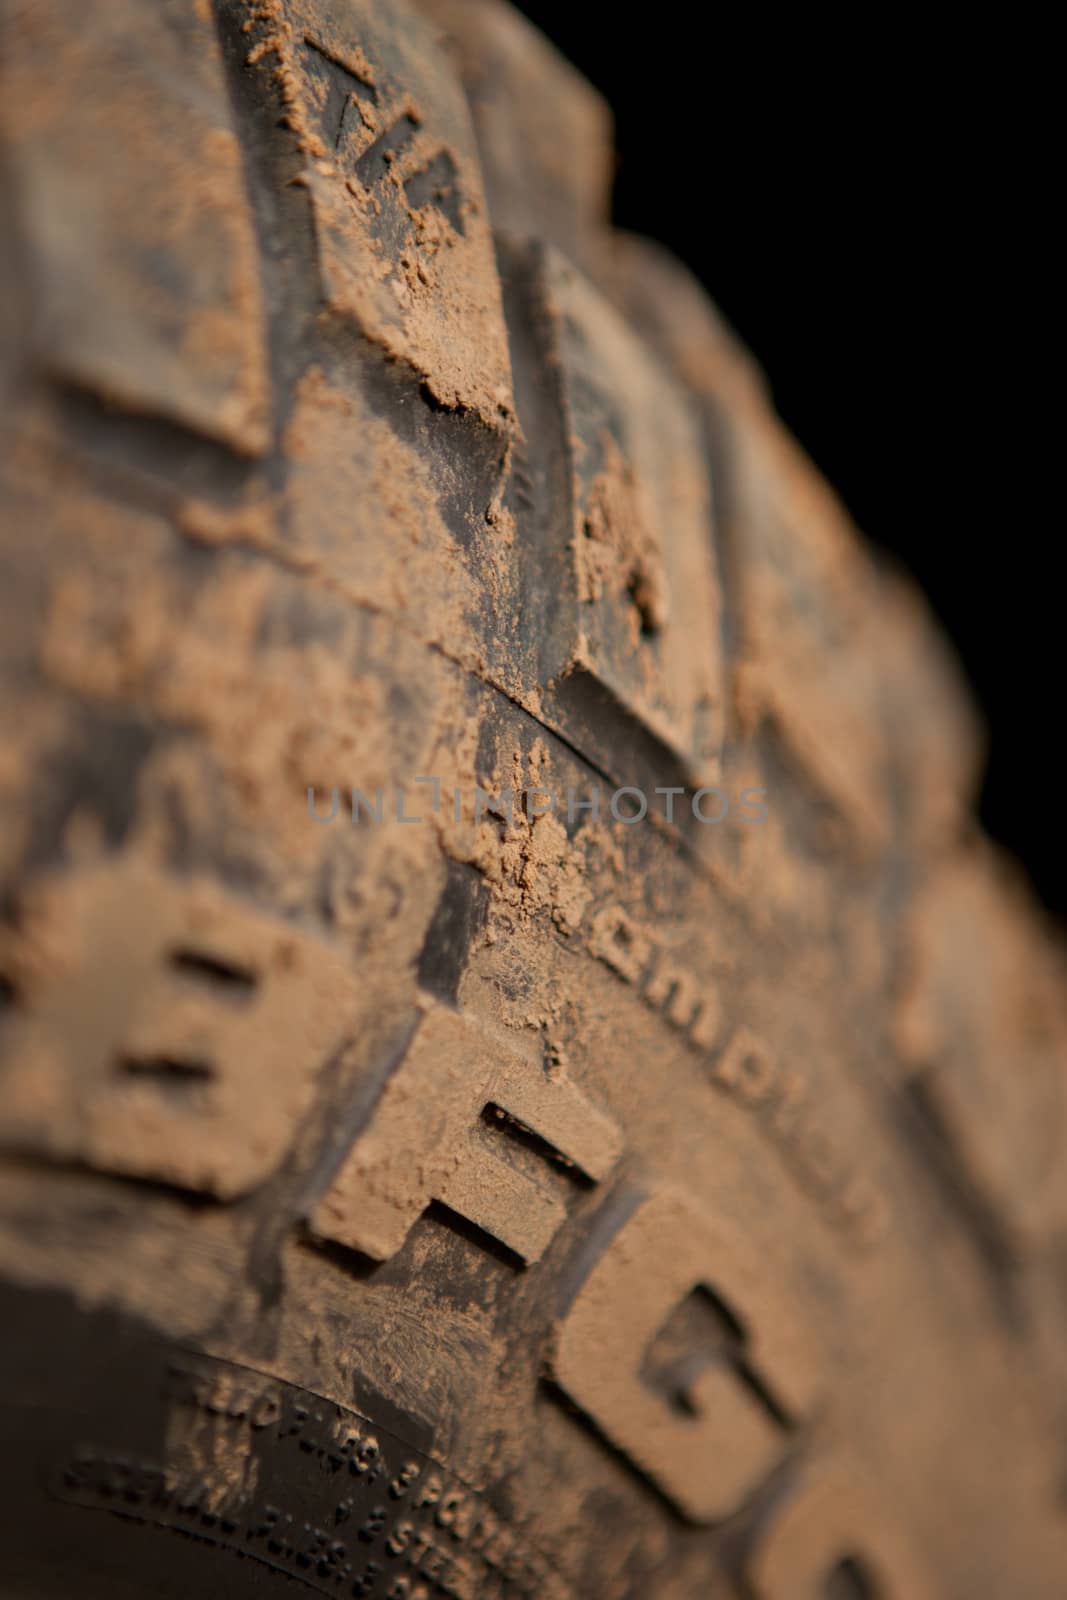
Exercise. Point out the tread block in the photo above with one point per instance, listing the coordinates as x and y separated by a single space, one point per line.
162 1029
639 612
138 231
808 610
404 245
544 133
982 1027
425 1142
803 591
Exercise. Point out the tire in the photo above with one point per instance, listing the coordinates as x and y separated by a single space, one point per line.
521 1077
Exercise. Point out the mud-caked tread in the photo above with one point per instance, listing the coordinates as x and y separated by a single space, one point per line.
174 328
410 1189
543 132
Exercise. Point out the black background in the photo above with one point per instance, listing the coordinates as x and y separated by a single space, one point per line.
846 198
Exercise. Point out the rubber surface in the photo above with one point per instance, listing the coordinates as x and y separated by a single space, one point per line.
422 1176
